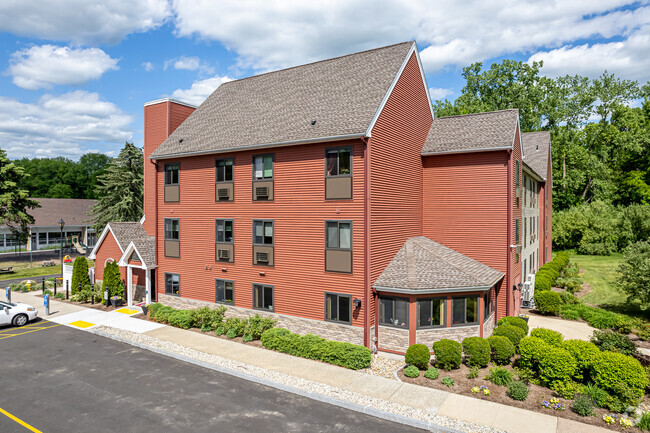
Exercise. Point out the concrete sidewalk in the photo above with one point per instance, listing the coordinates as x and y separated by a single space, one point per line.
437 402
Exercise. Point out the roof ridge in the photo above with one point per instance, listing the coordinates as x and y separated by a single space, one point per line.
316 61
477 114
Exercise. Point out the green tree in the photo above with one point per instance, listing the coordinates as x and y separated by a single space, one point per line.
79 274
635 272
14 201
120 189
112 279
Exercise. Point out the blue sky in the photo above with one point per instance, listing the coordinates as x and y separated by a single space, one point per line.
75 74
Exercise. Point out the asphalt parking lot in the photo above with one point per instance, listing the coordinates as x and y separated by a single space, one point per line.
57 379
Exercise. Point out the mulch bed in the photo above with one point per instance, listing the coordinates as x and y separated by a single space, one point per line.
95 306
536 395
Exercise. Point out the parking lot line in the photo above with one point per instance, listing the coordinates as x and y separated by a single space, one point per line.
20 421
3 337
26 326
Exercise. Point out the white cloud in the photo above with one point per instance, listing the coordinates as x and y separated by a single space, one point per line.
628 59
200 90
148 66
42 66
60 125
439 93
81 21
189 64
281 34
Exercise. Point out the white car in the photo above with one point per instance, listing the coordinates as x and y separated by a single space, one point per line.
17 314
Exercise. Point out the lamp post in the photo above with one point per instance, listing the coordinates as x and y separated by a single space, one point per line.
61 225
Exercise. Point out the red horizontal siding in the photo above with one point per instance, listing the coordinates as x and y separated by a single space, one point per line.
514 278
109 249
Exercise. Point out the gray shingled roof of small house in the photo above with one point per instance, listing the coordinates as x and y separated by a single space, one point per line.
147 249
425 266
74 211
341 94
125 232
537 146
492 130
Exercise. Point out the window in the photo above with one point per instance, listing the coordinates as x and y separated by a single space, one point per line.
263 167
263 232
172 230
487 305
517 231
171 174
262 297
225 170
339 162
224 231
431 313
464 311
525 269
517 174
394 312
338 234
338 308
524 232
224 291
172 284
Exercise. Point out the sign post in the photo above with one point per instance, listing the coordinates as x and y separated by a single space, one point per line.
46 302
8 294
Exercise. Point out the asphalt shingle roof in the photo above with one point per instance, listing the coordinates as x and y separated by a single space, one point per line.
73 211
341 94
424 265
127 232
537 146
479 131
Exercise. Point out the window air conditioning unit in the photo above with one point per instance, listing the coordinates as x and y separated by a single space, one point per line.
518 249
223 193
518 192
262 257
262 192
223 254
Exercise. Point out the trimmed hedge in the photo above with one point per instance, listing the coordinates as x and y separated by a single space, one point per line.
548 302
549 272
553 338
418 355
556 364
477 351
513 333
584 353
347 355
514 321
609 370
502 349
531 350
449 354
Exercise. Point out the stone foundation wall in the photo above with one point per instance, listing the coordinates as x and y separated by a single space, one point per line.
429 336
488 326
298 325
393 339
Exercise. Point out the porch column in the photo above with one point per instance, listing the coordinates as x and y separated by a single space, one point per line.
147 273
129 286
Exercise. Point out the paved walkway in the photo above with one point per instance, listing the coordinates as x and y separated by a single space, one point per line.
498 416
571 329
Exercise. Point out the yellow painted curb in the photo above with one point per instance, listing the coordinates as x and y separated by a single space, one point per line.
81 324
126 311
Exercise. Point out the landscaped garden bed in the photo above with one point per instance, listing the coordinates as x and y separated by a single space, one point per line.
574 379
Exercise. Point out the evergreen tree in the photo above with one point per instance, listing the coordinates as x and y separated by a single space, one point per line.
79 274
14 202
120 190
112 279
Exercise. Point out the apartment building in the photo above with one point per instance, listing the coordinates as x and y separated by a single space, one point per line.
327 196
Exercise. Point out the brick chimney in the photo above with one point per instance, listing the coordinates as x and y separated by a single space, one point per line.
161 118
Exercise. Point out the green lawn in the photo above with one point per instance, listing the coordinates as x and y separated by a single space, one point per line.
22 270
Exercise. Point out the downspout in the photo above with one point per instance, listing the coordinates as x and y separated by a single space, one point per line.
366 243
509 208
155 207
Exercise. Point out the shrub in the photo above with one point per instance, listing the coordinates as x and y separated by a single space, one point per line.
207 317
623 324
473 372
112 280
500 376
431 373
556 364
235 326
569 298
256 325
477 351
515 321
613 342
181 319
231 333
567 389
80 276
601 319
47 292
548 302
635 272
219 330
449 354
517 390
502 349
584 353
583 405
346 355
551 337
447 381
610 369
247 337
644 421
411 371
531 350
418 355
60 296
570 312
598 395
511 332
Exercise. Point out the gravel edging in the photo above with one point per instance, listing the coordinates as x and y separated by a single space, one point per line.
379 408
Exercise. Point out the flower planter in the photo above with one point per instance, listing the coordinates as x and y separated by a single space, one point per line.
116 302
144 309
